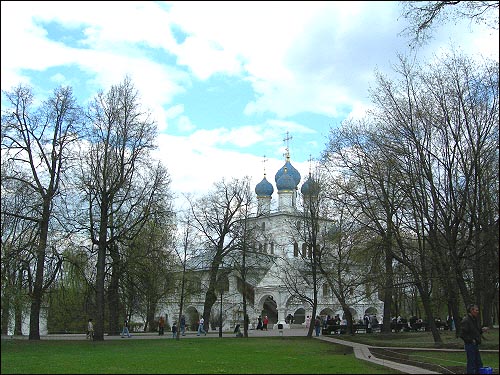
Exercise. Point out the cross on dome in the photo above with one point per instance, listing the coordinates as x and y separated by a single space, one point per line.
287 149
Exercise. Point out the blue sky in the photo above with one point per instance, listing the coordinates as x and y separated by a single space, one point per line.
225 81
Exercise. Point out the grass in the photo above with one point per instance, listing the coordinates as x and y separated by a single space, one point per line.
256 355
289 355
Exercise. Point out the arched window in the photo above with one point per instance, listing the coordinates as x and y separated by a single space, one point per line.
325 290
265 247
295 249
309 251
260 248
263 226
304 248
272 248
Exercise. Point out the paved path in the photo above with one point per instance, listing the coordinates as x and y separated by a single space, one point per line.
362 352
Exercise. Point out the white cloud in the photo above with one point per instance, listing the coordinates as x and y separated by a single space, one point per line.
299 57
106 25
196 164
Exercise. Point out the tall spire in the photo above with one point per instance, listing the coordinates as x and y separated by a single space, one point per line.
287 149
291 170
264 164
310 165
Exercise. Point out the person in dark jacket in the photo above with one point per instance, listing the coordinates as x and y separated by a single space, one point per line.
471 334
317 325
174 330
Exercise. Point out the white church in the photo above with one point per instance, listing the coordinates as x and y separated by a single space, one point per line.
269 294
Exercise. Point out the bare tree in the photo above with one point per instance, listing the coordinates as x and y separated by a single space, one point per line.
345 263
215 216
440 123
244 260
17 253
37 142
182 257
424 15
369 182
122 185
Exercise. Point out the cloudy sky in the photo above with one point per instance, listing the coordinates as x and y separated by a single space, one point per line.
225 81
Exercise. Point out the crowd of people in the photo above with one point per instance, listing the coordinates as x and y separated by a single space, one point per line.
370 321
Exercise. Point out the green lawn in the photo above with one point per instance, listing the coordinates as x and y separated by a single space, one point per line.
257 355
289 355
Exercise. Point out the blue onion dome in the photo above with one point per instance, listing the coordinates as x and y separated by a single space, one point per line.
310 187
286 181
264 188
291 172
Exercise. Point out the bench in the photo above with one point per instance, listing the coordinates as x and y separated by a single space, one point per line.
335 328
341 329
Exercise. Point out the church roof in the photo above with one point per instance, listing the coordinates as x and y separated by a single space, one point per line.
286 182
264 188
310 187
294 173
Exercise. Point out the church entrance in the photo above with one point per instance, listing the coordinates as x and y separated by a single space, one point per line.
300 316
192 317
270 309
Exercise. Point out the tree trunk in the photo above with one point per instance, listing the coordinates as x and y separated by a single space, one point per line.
101 271
113 295
18 307
348 317
6 311
36 299
150 317
210 295
430 317
388 292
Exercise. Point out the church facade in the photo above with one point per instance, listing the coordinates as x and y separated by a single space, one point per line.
276 239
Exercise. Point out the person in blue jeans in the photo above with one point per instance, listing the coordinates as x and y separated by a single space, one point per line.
125 330
317 325
201 328
471 334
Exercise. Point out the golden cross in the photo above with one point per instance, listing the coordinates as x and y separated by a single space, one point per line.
286 139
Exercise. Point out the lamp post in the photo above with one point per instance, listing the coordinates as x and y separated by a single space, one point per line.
221 291
220 316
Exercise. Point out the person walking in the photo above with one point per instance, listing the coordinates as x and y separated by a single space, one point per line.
308 321
259 323
125 330
161 326
317 325
237 331
183 325
90 330
201 328
471 334
174 330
